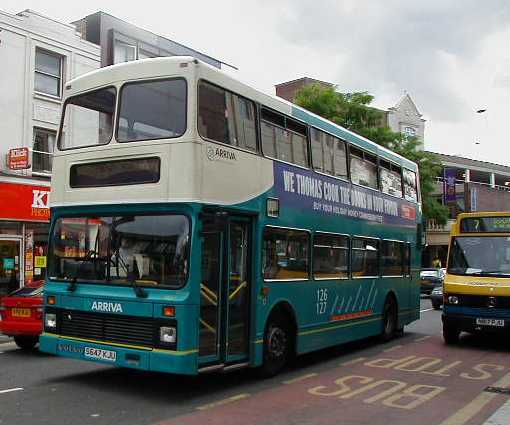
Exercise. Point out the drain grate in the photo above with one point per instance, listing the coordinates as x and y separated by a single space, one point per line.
498 390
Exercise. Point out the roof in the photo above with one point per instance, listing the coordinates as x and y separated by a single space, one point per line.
307 79
474 164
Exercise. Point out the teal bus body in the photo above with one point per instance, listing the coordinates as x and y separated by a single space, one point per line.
320 312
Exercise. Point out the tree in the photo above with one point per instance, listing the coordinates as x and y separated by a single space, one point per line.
352 111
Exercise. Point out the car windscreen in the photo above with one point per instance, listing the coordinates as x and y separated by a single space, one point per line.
150 250
480 256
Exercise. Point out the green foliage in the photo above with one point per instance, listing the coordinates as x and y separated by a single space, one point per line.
352 111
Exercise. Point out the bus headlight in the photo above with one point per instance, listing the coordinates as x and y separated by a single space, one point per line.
168 334
50 321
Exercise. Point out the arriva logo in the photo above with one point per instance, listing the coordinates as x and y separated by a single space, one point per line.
106 307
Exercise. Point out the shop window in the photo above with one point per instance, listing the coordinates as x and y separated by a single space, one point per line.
48 73
42 150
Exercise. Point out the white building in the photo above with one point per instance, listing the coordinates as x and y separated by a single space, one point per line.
38 55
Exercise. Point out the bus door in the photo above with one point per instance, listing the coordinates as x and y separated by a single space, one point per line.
225 291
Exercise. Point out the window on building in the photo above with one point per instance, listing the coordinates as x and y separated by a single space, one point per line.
392 258
364 257
363 168
285 254
330 256
42 150
410 185
152 110
48 73
328 154
226 117
123 52
284 138
390 178
410 131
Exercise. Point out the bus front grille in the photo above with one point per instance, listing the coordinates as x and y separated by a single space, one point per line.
107 328
484 301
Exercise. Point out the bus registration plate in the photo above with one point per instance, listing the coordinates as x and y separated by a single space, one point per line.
490 322
99 354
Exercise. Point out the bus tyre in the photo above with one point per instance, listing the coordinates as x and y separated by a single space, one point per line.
26 342
451 334
390 319
277 339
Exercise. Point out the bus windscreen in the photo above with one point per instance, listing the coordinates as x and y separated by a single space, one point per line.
485 225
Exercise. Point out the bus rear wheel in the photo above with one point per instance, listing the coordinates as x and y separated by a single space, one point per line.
277 346
390 319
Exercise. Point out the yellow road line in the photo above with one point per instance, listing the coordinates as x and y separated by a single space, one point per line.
395 347
476 405
300 378
224 401
354 361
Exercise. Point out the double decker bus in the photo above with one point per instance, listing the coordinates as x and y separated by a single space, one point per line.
201 225
476 290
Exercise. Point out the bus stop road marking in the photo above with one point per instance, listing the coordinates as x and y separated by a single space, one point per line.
300 378
395 347
423 338
223 402
353 361
11 390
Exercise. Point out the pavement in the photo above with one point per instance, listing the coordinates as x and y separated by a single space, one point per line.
414 379
4 338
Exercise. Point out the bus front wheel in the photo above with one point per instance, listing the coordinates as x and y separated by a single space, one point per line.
390 319
277 346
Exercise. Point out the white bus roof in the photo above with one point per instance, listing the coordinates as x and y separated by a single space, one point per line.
162 67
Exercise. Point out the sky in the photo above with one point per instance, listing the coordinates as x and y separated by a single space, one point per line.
450 56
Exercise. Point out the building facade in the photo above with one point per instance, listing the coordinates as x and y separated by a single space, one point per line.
39 54
466 185
121 41
405 118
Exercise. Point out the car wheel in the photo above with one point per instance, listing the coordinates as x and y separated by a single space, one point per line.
436 306
277 346
451 334
26 342
390 319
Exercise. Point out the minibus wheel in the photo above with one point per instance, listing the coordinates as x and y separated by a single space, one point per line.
451 334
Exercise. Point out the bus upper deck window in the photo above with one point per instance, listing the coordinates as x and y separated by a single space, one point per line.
152 110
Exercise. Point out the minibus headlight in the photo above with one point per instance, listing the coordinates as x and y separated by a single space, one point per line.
453 299
50 321
168 334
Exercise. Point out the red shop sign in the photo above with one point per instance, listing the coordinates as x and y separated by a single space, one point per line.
24 202
19 159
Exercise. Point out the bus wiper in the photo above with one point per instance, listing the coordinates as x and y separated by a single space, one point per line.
139 291
72 285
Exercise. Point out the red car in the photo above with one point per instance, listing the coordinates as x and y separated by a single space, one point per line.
21 314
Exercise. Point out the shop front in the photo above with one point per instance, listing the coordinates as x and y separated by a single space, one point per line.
24 225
